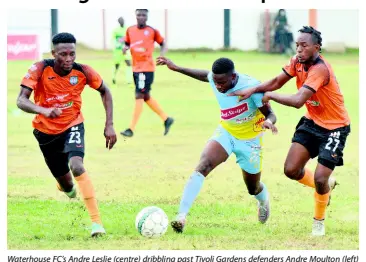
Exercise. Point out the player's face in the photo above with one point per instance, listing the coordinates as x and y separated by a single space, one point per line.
305 48
223 82
141 17
64 55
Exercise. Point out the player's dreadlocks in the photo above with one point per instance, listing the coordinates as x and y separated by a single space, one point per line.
315 34
223 66
65 38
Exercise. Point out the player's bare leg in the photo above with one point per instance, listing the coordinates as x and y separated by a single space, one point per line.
258 189
295 169
296 160
87 191
66 185
212 156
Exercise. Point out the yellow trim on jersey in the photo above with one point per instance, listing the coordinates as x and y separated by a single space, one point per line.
247 129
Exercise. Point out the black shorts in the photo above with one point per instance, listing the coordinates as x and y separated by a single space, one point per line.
327 144
58 149
143 81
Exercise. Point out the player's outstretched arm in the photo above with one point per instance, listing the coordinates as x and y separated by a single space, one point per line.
28 106
194 73
296 100
271 85
271 119
109 133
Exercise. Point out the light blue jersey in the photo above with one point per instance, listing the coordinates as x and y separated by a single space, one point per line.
242 119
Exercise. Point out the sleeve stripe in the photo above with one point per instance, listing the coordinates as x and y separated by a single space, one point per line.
283 69
100 85
310 88
27 87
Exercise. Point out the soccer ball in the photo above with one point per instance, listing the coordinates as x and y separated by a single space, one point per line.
151 222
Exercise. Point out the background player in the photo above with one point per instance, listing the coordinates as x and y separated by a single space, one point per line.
58 125
118 38
240 132
140 40
325 127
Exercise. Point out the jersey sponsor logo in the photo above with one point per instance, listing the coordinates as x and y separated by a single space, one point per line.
258 125
65 105
230 113
245 119
59 97
146 32
73 80
313 103
136 43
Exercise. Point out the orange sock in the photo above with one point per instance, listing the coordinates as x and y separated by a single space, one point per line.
308 179
87 191
321 202
153 104
136 113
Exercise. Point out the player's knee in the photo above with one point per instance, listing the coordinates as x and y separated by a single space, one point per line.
77 166
321 181
253 189
205 166
292 172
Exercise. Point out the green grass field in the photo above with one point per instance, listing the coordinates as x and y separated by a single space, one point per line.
151 169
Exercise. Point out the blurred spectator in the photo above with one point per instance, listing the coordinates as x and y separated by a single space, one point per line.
283 36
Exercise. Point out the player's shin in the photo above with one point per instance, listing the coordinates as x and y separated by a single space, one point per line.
139 103
87 191
321 202
190 193
262 196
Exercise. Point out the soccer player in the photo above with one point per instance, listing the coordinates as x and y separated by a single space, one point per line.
58 125
118 42
323 130
140 40
240 132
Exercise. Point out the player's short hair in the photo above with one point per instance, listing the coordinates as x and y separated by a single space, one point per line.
142 10
223 66
315 34
64 38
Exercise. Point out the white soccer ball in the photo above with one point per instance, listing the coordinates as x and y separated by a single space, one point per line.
151 222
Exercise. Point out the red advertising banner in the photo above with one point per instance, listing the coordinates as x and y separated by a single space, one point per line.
23 47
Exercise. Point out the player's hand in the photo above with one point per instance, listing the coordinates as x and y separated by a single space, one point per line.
110 136
51 112
269 125
165 61
243 94
266 97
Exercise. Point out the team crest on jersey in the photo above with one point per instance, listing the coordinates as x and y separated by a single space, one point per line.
146 32
73 80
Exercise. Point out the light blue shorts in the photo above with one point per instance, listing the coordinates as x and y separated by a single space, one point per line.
248 152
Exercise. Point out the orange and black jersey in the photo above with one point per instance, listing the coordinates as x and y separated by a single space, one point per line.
64 92
326 106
